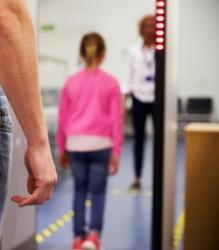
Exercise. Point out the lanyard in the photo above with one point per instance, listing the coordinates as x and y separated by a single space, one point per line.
149 62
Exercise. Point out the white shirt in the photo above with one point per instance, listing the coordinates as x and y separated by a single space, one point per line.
87 143
140 73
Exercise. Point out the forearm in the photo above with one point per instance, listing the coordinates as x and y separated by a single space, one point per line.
19 73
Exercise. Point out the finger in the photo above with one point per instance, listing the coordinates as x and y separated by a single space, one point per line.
39 195
30 185
30 201
50 196
30 181
37 198
17 199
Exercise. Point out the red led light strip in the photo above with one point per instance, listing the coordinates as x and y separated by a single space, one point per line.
160 24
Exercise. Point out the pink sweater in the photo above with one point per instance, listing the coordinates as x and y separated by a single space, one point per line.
91 104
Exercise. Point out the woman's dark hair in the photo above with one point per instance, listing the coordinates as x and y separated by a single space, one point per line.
92 47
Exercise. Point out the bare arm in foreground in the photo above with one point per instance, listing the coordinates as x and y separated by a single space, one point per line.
19 78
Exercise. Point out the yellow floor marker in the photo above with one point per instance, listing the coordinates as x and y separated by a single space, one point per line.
71 213
134 192
88 203
179 230
66 218
60 222
39 238
46 233
53 227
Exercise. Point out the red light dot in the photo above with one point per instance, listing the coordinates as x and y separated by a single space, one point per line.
160 11
160 4
159 47
160 18
160 33
160 40
160 25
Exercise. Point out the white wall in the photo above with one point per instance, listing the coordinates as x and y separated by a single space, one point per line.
115 19
199 49
33 7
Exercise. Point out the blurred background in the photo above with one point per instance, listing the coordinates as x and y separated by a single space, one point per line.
60 26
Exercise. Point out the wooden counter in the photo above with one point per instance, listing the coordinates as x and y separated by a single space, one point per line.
202 187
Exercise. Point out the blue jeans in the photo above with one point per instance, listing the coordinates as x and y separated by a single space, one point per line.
5 150
90 171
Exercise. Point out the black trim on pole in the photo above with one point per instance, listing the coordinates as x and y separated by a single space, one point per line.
158 171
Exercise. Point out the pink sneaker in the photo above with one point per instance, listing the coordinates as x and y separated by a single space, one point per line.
92 242
77 243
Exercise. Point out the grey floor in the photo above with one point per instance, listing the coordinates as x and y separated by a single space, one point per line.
128 216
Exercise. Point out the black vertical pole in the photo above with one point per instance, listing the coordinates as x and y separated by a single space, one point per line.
158 173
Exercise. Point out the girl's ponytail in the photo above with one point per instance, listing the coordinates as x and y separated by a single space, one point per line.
90 53
92 48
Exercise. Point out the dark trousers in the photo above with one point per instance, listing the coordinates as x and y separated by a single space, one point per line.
90 171
140 113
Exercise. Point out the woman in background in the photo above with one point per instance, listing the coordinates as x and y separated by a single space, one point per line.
140 85
90 136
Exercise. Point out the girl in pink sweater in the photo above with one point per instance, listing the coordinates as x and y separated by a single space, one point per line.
90 137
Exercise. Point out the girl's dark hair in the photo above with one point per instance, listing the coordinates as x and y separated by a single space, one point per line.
92 47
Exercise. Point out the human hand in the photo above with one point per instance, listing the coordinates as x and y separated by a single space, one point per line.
114 165
125 114
42 176
125 108
63 159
